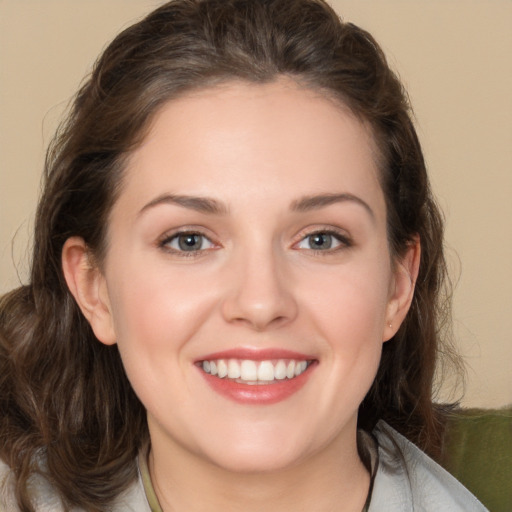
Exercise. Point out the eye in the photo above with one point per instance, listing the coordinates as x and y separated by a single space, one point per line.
323 241
187 242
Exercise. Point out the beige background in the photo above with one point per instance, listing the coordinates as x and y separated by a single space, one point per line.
455 57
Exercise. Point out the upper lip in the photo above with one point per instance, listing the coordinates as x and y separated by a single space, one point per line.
256 354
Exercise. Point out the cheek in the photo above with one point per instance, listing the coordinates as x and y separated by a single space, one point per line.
350 304
351 321
156 317
155 309
353 324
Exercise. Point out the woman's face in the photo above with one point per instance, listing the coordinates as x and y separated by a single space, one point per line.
250 238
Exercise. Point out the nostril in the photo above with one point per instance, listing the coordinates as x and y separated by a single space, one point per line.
258 297
261 322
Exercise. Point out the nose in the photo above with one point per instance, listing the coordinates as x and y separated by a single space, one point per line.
261 294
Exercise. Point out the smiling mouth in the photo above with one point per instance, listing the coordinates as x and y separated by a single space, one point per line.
250 372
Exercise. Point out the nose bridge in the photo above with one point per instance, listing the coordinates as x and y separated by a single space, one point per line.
261 295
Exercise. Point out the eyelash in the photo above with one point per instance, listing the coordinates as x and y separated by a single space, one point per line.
344 242
165 242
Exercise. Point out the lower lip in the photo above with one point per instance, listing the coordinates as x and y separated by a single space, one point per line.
263 394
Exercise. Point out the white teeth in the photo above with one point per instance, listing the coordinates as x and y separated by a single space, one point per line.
248 370
266 371
233 369
290 370
222 368
300 367
254 372
280 370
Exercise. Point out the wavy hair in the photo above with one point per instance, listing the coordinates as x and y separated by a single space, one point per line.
64 397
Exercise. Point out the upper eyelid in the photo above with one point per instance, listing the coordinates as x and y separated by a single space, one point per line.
183 230
312 230
342 234
164 241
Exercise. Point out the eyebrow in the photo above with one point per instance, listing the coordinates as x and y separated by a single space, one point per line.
212 206
308 203
199 204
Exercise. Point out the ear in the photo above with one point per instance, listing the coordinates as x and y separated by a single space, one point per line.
88 286
402 288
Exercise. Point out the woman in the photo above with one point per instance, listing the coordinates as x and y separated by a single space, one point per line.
235 291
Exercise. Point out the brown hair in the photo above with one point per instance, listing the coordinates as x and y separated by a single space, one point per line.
64 397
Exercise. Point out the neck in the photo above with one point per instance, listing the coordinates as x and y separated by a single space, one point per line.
333 479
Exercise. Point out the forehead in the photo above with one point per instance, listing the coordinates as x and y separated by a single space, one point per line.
262 138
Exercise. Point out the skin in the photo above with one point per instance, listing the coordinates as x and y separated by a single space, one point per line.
257 150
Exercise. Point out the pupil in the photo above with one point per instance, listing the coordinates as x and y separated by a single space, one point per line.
321 241
189 241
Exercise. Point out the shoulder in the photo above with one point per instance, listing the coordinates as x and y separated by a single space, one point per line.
407 479
46 499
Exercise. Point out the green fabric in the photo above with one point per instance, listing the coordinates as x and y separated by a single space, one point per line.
478 452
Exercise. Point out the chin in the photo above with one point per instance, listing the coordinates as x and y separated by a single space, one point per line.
254 450
256 461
